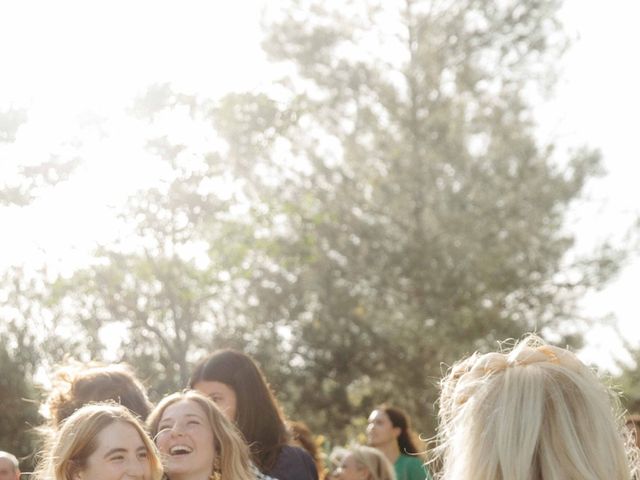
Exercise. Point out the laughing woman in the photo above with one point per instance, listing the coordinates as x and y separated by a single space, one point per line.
100 442
197 442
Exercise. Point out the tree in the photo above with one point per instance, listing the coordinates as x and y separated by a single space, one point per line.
430 221
382 209
19 409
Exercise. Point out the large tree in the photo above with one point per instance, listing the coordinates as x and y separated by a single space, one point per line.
383 208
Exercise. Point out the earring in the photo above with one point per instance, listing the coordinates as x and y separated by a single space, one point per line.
215 476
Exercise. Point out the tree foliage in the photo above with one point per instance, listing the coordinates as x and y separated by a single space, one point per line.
380 210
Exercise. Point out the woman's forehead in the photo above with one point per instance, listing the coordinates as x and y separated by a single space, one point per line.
183 408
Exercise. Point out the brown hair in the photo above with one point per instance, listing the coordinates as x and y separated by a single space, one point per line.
258 414
407 440
77 384
300 433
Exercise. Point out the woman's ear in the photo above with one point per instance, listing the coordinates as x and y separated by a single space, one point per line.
77 474
364 473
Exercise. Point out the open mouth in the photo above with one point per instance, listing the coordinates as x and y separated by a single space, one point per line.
178 450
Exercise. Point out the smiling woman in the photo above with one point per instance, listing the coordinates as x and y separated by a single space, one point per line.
100 442
196 441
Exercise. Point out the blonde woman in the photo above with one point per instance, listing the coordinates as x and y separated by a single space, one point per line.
365 463
100 442
535 412
197 442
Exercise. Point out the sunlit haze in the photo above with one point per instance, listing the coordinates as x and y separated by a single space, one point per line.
76 67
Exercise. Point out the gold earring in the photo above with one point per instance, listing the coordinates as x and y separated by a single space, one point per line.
215 476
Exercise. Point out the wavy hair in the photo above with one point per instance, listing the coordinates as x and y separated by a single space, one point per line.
535 412
77 384
231 451
67 452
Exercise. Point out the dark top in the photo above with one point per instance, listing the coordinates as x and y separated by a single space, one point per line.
294 464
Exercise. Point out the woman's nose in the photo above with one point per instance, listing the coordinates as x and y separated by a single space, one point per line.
137 468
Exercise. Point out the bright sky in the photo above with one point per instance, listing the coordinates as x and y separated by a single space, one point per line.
64 60
597 103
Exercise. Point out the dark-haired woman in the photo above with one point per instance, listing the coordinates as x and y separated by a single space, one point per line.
390 432
236 384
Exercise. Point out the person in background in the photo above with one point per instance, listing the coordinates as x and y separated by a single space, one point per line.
9 466
334 460
100 442
302 437
534 412
365 463
238 387
197 442
389 430
77 384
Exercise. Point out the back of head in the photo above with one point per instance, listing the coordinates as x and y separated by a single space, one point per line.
258 415
374 461
77 384
230 447
535 413
68 450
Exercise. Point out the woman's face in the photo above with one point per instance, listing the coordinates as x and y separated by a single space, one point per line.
185 440
350 469
380 430
120 454
222 394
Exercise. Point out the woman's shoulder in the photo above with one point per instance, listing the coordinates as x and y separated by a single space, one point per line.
409 459
294 463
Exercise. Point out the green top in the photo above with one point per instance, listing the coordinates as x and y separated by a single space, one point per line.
410 468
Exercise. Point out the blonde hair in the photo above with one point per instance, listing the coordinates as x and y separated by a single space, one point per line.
231 451
374 461
67 451
536 412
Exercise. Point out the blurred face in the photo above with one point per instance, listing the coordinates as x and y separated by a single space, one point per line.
120 454
349 469
185 440
7 470
380 430
222 394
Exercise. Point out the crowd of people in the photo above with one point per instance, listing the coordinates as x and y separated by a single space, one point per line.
535 412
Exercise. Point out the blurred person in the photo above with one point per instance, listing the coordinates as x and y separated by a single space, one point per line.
9 466
365 463
100 442
389 430
334 461
236 384
302 437
535 412
76 384
197 442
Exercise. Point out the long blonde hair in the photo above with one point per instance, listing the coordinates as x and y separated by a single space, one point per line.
374 461
67 451
231 451
536 412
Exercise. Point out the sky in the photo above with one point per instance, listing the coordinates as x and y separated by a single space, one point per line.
69 62
597 103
